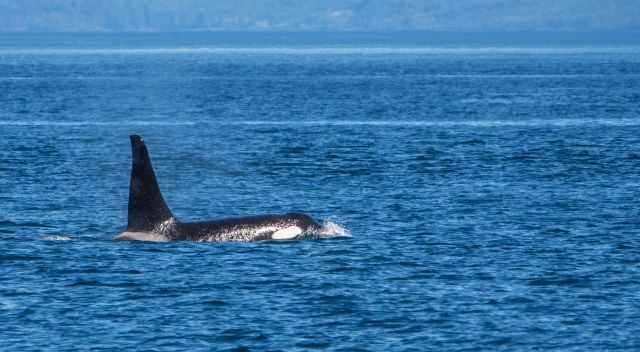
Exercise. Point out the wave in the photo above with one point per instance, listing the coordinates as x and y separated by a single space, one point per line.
95 123
346 76
324 50
555 122
56 238
560 122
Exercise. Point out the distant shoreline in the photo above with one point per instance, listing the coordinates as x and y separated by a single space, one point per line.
408 39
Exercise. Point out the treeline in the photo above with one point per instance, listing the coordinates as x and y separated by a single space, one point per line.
372 15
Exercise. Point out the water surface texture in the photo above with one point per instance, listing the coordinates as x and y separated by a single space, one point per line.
492 194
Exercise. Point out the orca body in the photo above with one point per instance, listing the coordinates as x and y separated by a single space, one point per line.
150 219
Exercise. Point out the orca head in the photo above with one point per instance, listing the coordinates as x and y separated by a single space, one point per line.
305 222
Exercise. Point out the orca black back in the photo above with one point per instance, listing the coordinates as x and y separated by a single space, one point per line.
150 219
147 207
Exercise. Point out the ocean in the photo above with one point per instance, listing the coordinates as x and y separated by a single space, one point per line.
490 191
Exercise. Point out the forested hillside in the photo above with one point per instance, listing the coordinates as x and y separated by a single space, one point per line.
371 15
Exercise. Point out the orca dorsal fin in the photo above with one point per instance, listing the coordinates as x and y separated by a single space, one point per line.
147 208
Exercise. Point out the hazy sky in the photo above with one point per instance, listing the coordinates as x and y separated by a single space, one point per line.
294 15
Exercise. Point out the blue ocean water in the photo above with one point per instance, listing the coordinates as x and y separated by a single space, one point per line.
491 190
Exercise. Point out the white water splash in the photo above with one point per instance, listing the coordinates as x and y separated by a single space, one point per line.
331 229
56 238
141 236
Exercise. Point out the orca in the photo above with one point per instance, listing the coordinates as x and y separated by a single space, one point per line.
150 219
